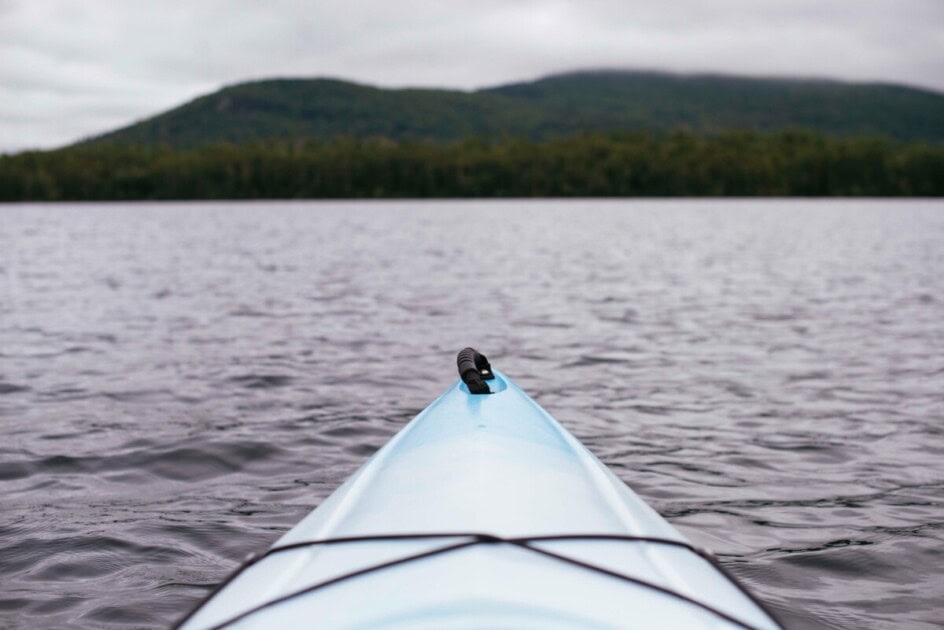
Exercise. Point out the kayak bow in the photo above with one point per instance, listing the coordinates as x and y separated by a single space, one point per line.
482 512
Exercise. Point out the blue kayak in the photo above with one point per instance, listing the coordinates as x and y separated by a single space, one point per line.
483 511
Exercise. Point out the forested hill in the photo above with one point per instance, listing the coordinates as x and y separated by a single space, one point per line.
324 109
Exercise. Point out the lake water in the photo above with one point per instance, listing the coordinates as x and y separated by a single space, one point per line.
181 383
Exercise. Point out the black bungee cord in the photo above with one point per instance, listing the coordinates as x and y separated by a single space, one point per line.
470 539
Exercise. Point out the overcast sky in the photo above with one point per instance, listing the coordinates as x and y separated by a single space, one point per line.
73 68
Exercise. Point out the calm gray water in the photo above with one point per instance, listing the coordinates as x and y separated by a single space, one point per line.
180 383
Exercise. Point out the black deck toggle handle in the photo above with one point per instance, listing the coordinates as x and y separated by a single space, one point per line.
474 370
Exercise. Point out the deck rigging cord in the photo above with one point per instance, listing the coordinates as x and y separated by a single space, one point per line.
470 539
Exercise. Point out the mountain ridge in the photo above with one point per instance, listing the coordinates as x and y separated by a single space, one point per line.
560 104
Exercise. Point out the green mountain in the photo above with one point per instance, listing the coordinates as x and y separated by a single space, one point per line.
599 101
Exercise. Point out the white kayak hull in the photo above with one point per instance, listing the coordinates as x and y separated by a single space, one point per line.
497 465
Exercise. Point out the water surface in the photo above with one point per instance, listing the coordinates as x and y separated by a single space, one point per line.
181 383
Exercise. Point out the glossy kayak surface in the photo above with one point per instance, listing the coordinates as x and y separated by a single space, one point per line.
494 464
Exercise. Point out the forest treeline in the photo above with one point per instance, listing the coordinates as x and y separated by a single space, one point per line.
793 163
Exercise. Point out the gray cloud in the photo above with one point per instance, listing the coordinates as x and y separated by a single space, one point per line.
69 69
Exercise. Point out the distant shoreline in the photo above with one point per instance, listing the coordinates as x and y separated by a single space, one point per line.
678 164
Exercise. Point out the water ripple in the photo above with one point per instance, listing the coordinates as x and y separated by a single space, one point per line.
180 383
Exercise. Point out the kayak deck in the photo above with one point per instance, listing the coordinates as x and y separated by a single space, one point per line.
498 465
